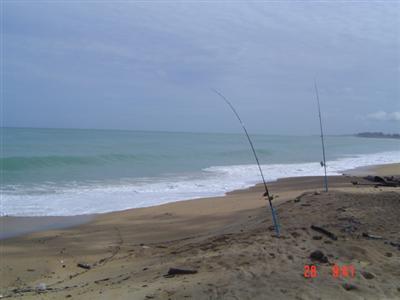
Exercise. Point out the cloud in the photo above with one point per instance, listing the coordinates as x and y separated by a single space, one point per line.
384 116
262 55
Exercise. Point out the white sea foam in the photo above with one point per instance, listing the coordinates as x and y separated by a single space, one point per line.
49 199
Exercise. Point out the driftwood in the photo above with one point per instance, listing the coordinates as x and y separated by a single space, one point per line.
372 236
375 179
376 184
174 271
369 184
391 181
84 266
324 231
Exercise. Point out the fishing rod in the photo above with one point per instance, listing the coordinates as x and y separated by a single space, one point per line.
322 137
266 194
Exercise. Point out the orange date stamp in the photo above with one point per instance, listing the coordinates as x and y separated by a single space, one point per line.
337 271
344 271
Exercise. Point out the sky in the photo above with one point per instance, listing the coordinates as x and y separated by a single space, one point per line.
151 65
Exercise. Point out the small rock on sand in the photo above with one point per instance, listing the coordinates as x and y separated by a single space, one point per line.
349 286
318 256
295 234
367 275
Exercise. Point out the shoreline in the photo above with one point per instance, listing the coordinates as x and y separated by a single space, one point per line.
15 226
212 181
230 243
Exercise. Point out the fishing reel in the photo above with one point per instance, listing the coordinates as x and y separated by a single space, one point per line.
268 196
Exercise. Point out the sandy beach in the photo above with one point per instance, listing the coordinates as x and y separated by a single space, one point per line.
229 243
184 150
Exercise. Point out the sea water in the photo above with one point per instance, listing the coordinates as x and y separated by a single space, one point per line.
50 172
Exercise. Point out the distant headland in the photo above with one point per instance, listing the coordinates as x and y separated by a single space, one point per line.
378 135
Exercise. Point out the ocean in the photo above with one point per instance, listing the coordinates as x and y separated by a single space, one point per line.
61 172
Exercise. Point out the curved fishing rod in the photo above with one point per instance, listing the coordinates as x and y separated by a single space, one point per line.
322 136
266 194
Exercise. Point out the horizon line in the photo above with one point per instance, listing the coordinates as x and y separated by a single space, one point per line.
171 131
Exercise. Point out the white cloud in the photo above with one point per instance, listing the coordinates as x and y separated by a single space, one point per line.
384 116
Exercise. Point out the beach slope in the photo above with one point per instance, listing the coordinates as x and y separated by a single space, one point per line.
230 244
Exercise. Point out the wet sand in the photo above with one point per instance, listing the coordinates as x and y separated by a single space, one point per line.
15 226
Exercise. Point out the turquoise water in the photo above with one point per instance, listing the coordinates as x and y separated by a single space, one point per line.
72 171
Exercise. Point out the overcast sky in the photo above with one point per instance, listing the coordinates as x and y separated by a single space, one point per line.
150 65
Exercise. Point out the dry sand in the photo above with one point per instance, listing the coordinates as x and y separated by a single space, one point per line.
228 240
